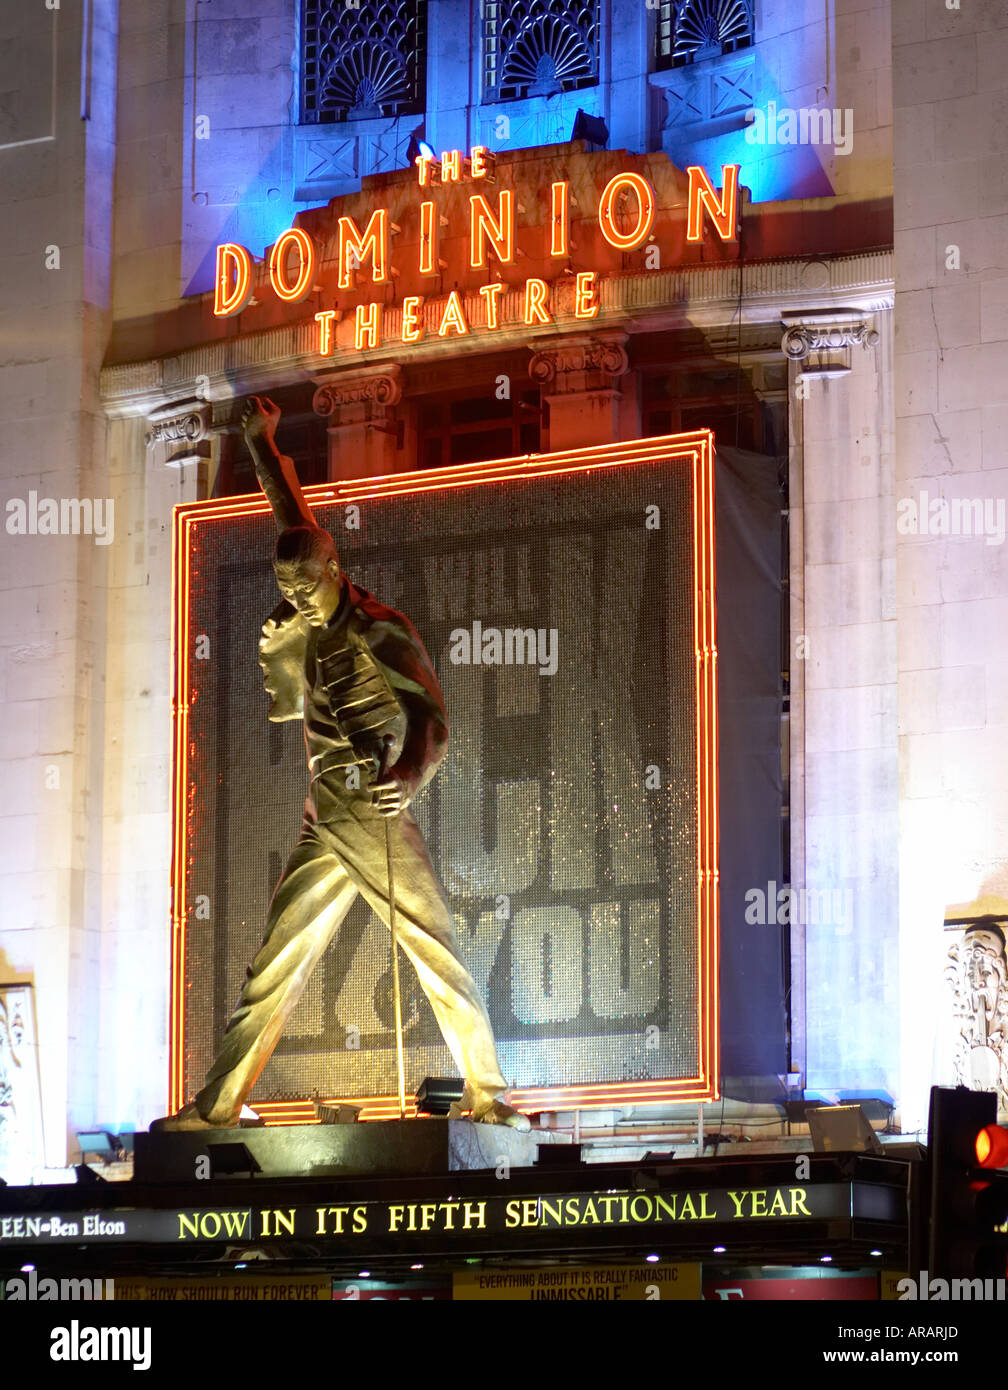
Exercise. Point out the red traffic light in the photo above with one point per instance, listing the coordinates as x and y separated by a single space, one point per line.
992 1147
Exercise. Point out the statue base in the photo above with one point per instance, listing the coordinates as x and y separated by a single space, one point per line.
389 1148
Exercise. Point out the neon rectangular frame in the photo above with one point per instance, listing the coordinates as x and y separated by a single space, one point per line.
695 450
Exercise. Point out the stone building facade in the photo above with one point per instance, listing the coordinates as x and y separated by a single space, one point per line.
142 136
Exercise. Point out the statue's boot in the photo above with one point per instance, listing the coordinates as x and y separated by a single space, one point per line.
498 1113
188 1118
486 1108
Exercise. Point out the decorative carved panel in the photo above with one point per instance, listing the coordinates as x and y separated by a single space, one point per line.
21 1147
579 363
977 974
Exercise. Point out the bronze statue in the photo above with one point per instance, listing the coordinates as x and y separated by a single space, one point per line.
375 729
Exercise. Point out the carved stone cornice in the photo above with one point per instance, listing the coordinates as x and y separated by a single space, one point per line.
823 339
583 363
653 301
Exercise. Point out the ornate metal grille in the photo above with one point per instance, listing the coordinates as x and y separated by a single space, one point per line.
361 61
538 47
695 29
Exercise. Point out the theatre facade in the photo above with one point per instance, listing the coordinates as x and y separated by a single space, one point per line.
570 310
638 394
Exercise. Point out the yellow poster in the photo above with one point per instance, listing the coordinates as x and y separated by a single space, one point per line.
888 1290
636 1283
256 1288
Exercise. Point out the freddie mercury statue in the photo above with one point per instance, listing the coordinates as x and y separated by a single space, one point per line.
355 672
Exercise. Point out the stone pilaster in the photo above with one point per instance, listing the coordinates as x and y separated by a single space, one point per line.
363 425
578 377
843 727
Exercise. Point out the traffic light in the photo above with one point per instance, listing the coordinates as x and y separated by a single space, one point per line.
992 1147
969 1199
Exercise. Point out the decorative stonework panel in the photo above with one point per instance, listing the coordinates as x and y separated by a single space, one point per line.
380 389
708 93
977 974
801 339
521 125
21 1147
362 61
537 48
569 359
189 427
821 342
182 429
332 160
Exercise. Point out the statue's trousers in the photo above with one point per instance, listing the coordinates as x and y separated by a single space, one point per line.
342 851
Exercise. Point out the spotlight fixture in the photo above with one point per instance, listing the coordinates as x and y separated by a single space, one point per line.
592 129
842 1129
437 1094
877 1105
100 1144
418 147
337 1114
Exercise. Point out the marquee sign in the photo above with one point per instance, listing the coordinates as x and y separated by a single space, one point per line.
559 1218
475 244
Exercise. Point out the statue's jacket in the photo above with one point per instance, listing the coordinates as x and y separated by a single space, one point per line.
363 676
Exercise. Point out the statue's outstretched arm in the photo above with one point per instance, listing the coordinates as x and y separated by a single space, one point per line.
274 470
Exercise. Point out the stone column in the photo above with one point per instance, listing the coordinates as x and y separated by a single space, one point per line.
363 426
578 377
843 737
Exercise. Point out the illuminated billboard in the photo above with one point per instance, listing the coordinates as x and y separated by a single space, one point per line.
567 603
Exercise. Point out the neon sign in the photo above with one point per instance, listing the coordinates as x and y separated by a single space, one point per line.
625 219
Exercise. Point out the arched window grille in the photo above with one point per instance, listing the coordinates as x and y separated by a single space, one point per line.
690 30
539 47
362 61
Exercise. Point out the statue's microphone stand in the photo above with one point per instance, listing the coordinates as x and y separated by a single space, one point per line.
387 743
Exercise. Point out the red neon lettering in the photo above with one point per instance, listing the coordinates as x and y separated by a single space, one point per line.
367 325
305 247
721 211
232 260
325 321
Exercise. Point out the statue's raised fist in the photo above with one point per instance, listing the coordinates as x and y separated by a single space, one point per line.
259 418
